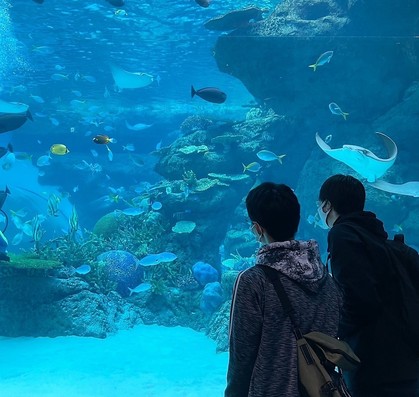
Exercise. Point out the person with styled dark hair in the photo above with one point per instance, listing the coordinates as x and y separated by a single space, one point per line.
263 349
362 269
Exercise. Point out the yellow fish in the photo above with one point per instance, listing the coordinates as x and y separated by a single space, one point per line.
59 149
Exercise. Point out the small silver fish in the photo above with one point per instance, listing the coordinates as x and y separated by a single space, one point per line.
129 146
143 287
322 60
335 109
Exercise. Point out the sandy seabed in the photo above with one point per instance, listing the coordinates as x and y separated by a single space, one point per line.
146 361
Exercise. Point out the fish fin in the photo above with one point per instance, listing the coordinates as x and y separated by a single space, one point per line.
130 291
110 154
244 168
345 115
281 157
314 66
112 140
193 92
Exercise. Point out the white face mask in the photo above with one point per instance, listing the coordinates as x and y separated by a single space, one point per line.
259 236
323 216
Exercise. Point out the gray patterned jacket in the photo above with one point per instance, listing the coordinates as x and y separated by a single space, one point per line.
263 358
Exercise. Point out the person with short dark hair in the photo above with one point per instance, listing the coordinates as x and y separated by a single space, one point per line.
360 266
263 351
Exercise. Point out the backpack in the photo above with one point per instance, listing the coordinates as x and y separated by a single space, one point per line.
405 264
404 268
320 356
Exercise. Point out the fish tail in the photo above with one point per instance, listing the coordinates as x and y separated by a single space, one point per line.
130 291
112 140
193 92
314 66
110 154
345 115
244 168
29 115
281 157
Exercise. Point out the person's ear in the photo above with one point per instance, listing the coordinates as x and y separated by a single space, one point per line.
259 229
327 206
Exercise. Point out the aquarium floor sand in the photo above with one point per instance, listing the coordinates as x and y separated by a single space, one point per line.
146 361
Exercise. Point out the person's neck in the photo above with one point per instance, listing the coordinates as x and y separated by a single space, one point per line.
332 217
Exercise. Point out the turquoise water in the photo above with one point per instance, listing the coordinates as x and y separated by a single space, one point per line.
147 361
124 215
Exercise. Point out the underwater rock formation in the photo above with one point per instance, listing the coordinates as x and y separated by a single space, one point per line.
374 60
218 327
35 303
49 302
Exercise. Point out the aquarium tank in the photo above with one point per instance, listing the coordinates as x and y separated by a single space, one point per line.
130 134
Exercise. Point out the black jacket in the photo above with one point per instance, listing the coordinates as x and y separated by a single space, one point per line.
361 267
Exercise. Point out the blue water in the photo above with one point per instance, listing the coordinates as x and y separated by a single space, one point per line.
147 361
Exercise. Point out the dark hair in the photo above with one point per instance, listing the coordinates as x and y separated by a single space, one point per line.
345 193
275 207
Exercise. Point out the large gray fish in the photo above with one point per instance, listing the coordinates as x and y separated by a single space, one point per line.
210 94
12 121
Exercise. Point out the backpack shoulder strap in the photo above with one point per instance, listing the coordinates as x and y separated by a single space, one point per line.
274 278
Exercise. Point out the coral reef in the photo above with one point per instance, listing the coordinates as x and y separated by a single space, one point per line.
30 261
212 297
108 225
204 273
228 279
122 268
218 327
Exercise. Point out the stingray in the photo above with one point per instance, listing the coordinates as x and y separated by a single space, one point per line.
13 107
362 160
405 189
124 79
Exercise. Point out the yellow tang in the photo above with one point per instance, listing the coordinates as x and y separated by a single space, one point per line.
59 149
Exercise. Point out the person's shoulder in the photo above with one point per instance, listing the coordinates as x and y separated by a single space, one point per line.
251 275
343 228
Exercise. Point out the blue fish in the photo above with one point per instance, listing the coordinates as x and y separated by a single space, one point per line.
82 269
335 109
267 155
322 60
143 287
157 205
132 211
252 167
167 256
150 260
